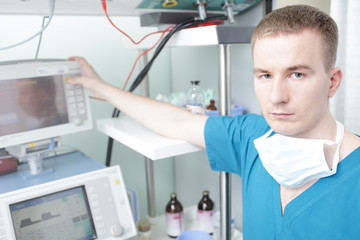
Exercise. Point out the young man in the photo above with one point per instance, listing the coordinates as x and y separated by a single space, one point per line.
300 169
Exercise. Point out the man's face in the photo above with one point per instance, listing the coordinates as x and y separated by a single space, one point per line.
34 100
291 83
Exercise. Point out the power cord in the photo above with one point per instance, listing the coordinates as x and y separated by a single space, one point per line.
51 10
40 38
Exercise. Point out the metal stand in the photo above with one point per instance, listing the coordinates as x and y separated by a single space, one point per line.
225 109
36 163
150 187
149 165
36 166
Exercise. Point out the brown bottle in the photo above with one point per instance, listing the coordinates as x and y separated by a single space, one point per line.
174 217
205 213
212 105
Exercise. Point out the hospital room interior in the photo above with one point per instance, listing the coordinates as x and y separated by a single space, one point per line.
125 174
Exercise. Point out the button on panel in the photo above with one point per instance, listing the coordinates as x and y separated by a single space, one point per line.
70 93
76 103
82 111
69 86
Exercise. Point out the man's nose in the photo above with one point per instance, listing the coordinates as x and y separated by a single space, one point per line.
279 92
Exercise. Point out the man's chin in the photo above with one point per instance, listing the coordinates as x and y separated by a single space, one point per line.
283 128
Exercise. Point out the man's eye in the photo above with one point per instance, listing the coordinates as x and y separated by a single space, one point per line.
266 76
297 75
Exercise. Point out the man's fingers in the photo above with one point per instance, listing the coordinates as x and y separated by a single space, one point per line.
74 80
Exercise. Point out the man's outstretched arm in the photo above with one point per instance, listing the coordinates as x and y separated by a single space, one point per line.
163 118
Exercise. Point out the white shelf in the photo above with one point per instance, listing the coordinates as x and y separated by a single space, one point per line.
142 140
201 36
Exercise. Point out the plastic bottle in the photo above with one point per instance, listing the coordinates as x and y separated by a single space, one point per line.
174 217
195 99
205 213
212 105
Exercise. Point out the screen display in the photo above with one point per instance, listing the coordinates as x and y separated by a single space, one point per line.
32 103
60 215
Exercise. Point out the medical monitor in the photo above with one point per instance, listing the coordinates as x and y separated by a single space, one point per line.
65 213
37 103
93 205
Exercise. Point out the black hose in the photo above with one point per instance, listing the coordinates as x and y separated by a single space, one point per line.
182 25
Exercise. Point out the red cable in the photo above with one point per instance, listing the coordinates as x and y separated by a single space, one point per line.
145 52
137 59
209 23
133 41
103 2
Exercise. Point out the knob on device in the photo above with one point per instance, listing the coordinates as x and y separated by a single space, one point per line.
116 230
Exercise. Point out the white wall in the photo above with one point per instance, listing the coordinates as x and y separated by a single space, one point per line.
95 39
324 5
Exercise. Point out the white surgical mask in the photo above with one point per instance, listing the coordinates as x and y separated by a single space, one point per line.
292 162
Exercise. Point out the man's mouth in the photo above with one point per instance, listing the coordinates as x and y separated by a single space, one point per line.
281 115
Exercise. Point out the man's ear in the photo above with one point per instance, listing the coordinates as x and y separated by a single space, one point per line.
335 81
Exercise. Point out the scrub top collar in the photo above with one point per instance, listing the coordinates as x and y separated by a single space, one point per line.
314 193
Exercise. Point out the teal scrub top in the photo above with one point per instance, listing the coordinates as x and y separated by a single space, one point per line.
329 209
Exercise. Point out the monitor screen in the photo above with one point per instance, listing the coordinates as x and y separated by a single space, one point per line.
36 102
65 213
32 103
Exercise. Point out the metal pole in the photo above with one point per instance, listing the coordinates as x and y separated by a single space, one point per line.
150 186
225 109
145 83
149 165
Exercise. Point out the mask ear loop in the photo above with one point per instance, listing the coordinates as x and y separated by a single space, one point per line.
266 135
338 140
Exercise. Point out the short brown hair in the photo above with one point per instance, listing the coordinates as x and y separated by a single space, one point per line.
296 18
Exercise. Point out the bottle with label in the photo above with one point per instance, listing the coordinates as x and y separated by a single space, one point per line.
174 217
205 213
195 99
211 106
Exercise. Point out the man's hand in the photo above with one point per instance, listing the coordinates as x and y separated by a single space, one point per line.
89 79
